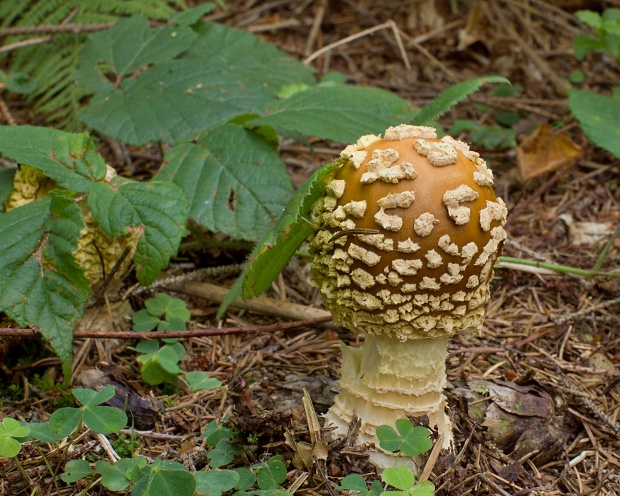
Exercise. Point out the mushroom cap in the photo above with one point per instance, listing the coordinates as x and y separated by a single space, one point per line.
410 230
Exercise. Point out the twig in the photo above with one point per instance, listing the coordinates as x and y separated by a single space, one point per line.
575 315
386 25
519 209
54 29
282 326
6 112
25 43
263 305
316 26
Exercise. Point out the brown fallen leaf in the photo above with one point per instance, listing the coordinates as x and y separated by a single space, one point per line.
519 419
545 151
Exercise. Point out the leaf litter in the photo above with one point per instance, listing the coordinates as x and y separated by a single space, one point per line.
548 362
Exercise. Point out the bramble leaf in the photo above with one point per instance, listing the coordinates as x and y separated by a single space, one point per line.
71 160
451 96
128 46
226 72
336 112
273 253
598 117
158 209
233 178
42 283
6 185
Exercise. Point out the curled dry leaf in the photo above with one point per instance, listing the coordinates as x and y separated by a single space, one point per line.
587 233
545 151
519 419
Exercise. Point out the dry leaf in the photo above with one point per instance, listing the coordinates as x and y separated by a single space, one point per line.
587 233
475 29
545 151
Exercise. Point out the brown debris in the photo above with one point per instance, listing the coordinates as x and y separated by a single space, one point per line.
555 335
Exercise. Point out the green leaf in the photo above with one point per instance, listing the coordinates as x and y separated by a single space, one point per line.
243 54
225 73
76 470
158 209
163 478
42 432
598 117
293 228
389 439
415 439
198 380
10 429
160 366
143 321
234 180
71 160
191 16
171 324
214 433
271 473
424 488
6 185
157 306
219 458
116 477
65 420
450 96
89 397
583 44
590 18
353 482
215 482
128 46
246 479
9 447
400 477
42 284
339 113
104 419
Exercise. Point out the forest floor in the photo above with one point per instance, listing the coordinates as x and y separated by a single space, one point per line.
551 342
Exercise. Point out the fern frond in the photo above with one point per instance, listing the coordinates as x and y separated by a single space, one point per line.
52 66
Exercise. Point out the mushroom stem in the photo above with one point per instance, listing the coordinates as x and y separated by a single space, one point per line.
387 379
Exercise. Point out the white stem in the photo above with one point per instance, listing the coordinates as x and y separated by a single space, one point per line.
385 380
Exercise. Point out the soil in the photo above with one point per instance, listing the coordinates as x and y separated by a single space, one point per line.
535 400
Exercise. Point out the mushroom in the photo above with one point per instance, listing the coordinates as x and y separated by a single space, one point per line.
96 252
409 231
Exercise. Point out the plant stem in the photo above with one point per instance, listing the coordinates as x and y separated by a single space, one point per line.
589 273
47 464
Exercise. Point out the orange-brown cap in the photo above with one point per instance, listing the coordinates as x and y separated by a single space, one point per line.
410 230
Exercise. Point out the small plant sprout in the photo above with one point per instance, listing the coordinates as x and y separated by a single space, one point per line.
423 278
160 363
10 433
